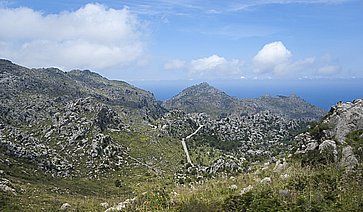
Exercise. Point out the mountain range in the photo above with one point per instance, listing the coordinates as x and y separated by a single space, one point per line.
80 142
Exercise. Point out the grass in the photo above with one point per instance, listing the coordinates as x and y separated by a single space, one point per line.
310 188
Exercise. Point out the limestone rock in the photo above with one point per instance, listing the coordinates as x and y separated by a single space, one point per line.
348 160
329 150
246 189
266 180
65 207
104 204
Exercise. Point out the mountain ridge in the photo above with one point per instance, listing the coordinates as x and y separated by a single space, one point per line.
205 98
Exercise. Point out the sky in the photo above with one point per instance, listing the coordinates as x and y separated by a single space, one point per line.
185 39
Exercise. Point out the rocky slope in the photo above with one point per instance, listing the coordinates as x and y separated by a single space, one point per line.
25 91
337 138
203 98
57 119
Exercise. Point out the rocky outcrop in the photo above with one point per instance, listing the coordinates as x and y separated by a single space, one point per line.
327 141
72 134
348 160
344 118
6 186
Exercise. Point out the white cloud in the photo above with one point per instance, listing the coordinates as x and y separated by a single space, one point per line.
273 57
329 69
215 65
174 64
93 36
212 66
207 63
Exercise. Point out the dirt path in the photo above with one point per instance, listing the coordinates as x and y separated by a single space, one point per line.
185 145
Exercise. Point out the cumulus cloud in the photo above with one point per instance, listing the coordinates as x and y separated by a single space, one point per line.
174 64
93 36
215 65
273 57
212 66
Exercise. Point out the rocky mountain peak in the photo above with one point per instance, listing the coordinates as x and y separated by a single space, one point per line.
202 88
204 98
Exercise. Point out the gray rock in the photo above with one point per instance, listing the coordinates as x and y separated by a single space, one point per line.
348 161
345 118
280 166
266 180
65 207
233 187
329 149
284 193
6 186
311 146
104 204
245 190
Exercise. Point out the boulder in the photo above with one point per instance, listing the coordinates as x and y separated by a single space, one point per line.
348 161
233 187
328 149
266 180
311 146
104 204
65 207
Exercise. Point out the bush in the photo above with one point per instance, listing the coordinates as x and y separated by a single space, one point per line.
118 183
317 130
355 139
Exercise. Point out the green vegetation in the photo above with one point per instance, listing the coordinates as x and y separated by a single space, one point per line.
317 128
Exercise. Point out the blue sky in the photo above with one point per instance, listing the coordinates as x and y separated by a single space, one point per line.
164 39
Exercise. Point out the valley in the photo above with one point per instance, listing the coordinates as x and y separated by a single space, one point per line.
76 141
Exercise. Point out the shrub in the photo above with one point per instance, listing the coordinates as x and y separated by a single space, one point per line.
118 183
317 130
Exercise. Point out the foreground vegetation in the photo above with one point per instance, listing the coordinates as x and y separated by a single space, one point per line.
297 188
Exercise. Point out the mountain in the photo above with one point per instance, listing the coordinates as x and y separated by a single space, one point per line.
203 98
21 86
61 121
76 141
